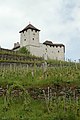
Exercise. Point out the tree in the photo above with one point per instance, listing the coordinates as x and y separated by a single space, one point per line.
24 50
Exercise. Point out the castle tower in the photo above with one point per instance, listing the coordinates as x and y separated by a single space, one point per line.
29 36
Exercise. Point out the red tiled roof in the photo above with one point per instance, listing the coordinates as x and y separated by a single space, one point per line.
29 27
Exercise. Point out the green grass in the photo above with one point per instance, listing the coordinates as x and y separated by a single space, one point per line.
24 107
37 110
35 77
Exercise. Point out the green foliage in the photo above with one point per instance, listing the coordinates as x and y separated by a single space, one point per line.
24 50
35 109
35 76
24 107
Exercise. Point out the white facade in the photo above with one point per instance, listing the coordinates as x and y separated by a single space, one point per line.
29 37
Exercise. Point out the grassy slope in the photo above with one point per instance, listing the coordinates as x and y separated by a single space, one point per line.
16 108
36 110
32 77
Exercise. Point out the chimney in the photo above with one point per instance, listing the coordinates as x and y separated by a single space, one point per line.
16 44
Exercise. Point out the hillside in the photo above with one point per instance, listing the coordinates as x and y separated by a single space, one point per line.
47 92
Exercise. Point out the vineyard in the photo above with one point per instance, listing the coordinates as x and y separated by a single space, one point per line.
9 56
50 91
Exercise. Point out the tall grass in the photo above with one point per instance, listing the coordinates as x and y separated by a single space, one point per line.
39 76
52 106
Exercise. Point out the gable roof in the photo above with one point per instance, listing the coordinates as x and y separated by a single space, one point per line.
50 43
29 27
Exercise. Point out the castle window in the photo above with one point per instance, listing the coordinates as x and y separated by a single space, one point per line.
33 38
24 39
33 33
46 49
58 51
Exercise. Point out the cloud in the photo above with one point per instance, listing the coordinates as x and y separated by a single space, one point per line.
58 20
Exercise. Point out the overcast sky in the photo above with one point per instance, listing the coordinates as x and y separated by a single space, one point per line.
58 20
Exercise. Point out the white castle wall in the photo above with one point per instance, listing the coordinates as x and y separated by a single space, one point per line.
47 52
24 38
30 39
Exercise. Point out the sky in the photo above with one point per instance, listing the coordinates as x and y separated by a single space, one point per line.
58 20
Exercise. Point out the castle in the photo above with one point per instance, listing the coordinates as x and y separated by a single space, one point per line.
29 37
